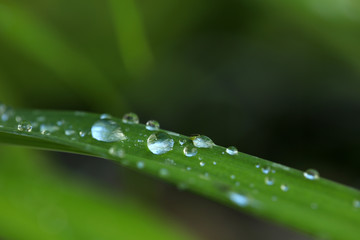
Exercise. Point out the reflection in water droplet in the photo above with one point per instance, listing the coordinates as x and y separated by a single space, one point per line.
190 151
238 199
232 150
24 126
202 141
269 181
183 141
266 169
130 118
152 125
107 131
311 174
284 187
82 133
202 164
160 143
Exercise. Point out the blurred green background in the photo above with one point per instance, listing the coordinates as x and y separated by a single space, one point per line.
277 79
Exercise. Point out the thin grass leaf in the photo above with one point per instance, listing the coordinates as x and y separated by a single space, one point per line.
318 207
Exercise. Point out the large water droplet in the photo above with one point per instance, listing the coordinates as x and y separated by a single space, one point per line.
202 141
311 174
24 126
160 143
107 131
190 151
232 150
130 118
238 199
152 125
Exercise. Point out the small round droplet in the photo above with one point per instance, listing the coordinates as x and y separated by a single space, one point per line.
238 199
214 163
284 187
82 133
105 116
140 165
266 169
117 151
311 174
163 172
130 118
152 125
202 141
232 150
257 165
233 177
24 126
183 141
48 128
190 151
269 181
69 132
160 143
202 164
356 203
107 131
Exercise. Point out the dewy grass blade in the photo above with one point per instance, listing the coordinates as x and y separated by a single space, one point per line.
312 204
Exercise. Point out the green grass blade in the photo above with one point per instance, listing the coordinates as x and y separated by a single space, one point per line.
320 207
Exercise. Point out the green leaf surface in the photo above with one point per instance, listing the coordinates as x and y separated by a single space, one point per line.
319 207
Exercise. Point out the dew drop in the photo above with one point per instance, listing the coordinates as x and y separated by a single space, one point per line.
107 131
284 187
69 132
169 161
82 133
190 151
214 163
152 125
311 174
160 143
356 203
257 165
48 128
24 126
105 116
202 164
140 165
182 141
18 119
269 181
233 177
202 141
238 199
163 172
116 151
266 170
7 114
232 150
188 168
130 118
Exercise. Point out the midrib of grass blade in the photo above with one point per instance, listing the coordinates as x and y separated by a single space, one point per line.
320 207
